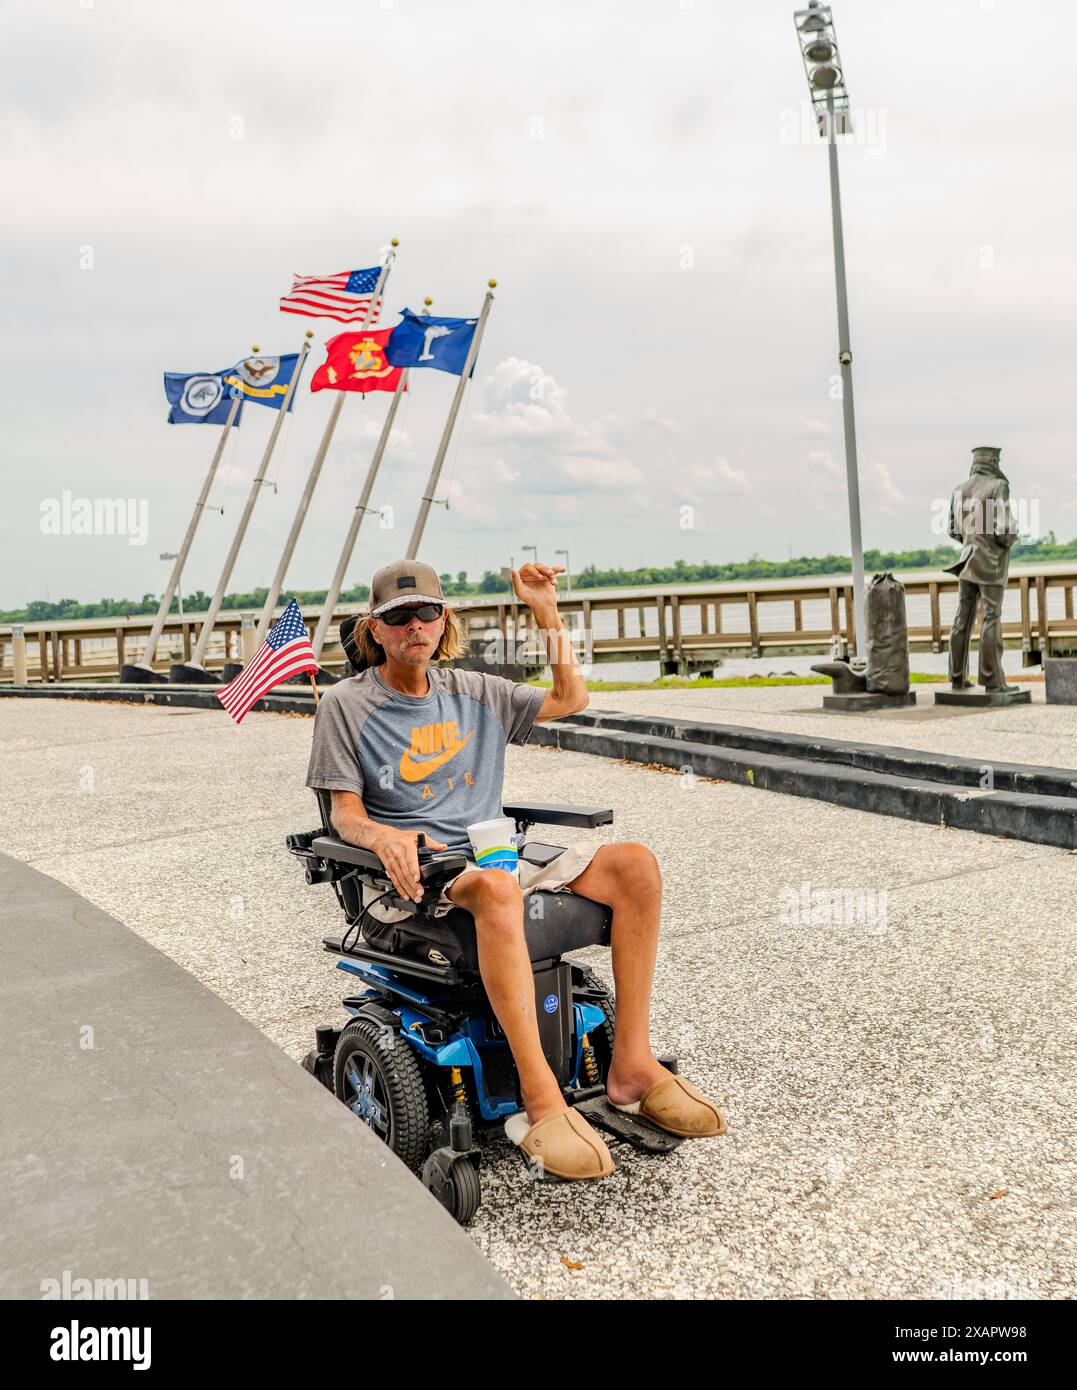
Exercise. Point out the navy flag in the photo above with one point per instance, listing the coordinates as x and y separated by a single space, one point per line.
264 380
199 398
423 340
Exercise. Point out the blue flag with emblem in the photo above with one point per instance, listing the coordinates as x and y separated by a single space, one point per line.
264 380
423 340
199 398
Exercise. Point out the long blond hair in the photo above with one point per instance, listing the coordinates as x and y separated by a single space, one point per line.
371 653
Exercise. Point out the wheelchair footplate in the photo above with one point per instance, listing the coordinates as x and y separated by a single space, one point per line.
641 1134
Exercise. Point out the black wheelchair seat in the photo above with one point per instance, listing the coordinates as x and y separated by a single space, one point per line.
554 923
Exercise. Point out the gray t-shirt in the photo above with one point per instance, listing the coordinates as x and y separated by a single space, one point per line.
433 762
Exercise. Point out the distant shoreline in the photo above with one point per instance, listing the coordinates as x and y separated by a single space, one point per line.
836 568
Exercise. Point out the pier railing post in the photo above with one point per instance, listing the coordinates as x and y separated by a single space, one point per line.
18 654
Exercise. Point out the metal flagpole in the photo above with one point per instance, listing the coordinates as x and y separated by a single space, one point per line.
315 470
199 654
357 520
845 360
192 527
435 472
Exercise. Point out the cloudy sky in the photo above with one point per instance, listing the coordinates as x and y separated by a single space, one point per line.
644 182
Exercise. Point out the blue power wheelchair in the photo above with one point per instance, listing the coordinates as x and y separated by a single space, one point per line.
423 1061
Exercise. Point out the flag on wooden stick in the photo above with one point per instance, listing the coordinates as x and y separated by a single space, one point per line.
285 652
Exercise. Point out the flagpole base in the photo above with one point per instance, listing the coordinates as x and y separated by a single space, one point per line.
142 675
231 671
184 673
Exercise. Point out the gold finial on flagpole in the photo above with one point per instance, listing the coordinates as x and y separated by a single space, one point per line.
310 332
394 242
492 284
255 347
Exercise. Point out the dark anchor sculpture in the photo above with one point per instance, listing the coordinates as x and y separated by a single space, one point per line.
884 680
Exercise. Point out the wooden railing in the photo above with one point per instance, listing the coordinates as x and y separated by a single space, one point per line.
683 627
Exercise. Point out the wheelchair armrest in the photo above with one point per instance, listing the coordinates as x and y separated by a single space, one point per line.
332 847
339 851
527 813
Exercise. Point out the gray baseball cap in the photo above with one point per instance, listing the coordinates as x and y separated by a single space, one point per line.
404 581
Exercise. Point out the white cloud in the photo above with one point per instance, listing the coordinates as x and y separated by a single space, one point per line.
541 447
823 474
882 493
718 479
362 432
813 429
651 419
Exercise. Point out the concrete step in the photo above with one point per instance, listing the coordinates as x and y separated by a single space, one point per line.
1042 819
871 757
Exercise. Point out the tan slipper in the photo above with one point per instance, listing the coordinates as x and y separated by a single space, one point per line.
563 1144
675 1105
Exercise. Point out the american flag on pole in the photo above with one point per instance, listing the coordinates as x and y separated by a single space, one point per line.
345 297
285 652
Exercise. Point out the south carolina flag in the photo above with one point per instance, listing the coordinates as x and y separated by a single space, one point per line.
357 362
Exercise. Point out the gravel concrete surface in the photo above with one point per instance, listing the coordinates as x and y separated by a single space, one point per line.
894 1072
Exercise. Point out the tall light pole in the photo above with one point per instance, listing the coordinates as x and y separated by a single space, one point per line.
174 555
568 571
533 549
830 101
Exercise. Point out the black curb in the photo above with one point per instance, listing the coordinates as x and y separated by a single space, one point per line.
1046 820
869 757
190 696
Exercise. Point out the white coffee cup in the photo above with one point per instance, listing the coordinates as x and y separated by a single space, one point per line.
494 844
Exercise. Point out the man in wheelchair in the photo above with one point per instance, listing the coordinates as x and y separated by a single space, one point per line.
408 751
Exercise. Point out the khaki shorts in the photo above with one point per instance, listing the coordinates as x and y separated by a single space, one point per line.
551 878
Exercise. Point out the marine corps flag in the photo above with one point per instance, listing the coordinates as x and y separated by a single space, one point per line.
357 362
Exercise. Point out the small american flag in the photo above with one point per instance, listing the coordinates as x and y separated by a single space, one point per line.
285 652
345 297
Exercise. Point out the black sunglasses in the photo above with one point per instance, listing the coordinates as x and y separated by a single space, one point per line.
398 617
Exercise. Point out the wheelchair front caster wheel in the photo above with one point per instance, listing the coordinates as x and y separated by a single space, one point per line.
453 1178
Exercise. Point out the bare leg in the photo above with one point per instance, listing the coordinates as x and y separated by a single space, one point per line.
493 898
627 878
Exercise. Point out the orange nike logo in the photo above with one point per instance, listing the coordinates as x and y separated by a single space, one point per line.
441 742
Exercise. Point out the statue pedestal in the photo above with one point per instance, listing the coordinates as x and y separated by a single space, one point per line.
1060 676
983 699
850 704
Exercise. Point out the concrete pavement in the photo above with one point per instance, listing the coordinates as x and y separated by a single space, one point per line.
895 1080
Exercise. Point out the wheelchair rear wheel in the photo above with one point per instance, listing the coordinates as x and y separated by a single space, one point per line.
376 1075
